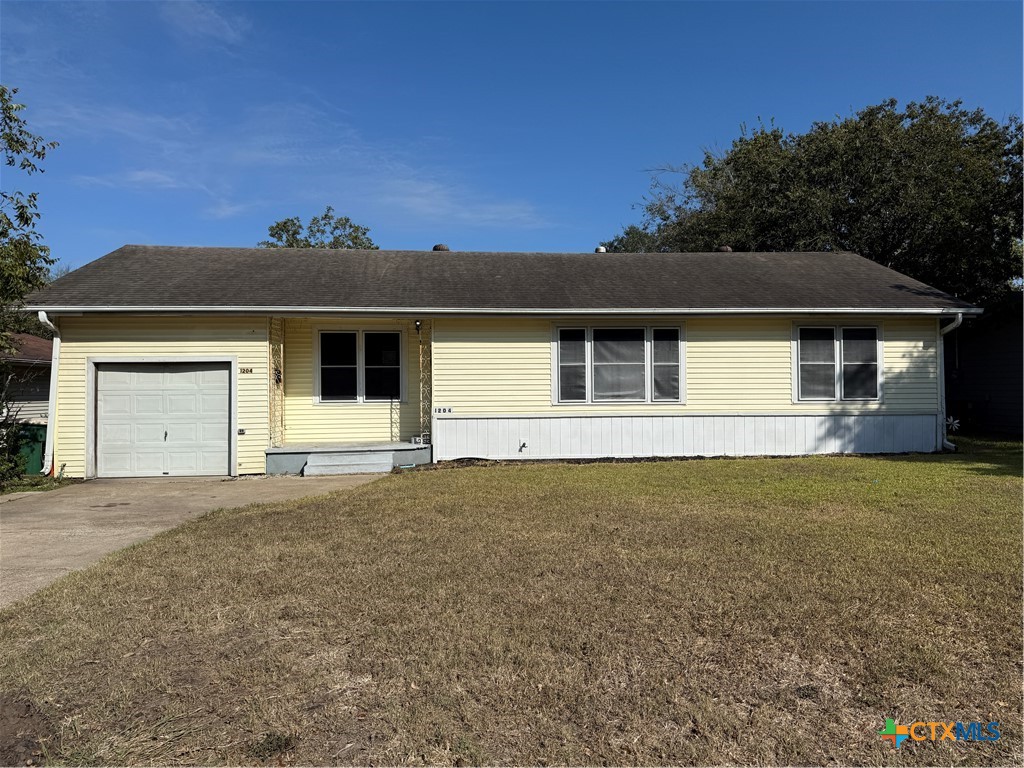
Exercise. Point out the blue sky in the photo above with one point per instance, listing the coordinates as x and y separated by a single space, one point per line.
487 126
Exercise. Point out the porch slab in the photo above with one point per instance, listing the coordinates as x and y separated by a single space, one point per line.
291 459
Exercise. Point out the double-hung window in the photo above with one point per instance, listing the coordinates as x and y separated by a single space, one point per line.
357 366
631 364
837 363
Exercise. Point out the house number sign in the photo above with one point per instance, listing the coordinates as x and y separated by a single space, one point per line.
442 410
245 370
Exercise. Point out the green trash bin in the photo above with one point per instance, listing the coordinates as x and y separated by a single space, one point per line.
33 438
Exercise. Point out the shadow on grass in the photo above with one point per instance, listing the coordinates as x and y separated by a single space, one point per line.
977 456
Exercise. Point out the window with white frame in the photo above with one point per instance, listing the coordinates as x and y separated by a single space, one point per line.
360 366
837 363
626 364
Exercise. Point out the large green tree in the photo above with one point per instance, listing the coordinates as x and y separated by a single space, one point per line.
323 231
24 260
933 190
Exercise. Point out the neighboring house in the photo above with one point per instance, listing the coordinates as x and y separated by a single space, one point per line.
985 370
30 377
224 361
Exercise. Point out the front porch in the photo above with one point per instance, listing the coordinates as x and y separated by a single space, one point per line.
313 459
348 395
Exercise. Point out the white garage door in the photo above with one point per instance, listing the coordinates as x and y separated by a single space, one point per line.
157 419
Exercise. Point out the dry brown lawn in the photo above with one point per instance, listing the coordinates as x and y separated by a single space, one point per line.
764 611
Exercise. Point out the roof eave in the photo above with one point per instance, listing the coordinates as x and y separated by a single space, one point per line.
264 310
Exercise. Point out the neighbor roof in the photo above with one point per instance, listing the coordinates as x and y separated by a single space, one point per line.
29 349
172 278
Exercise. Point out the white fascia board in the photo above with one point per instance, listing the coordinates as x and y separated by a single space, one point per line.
691 311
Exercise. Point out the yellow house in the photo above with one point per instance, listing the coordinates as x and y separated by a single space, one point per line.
175 361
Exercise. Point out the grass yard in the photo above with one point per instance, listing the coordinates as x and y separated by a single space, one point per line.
756 611
36 483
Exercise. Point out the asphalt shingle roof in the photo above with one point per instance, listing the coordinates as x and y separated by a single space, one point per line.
168 277
30 349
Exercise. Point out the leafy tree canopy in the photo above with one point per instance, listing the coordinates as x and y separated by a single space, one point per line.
933 190
323 231
24 260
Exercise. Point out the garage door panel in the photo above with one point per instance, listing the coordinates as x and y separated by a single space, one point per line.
183 462
213 432
214 404
182 404
108 404
115 463
112 379
149 462
215 378
153 434
115 434
157 419
182 433
148 405
154 378
210 460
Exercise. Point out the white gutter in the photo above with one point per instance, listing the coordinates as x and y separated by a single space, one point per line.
51 413
942 379
553 311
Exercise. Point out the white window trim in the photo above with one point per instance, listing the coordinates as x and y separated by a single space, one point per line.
589 372
361 398
837 365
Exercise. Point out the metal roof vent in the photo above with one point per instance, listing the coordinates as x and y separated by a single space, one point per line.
600 249
723 249
441 247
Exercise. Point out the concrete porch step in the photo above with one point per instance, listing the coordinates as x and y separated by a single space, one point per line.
348 463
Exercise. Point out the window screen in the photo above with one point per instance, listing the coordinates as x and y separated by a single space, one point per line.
860 364
619 363
338 366
817 364
382 366
665 364
572 364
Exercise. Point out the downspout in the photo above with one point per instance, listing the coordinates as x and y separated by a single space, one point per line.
51 412
942 378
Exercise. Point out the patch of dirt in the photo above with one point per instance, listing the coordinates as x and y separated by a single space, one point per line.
23 730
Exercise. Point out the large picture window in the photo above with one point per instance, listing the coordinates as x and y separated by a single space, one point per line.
360 366
630 364
837 364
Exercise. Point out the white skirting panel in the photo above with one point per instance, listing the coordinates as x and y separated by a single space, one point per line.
582 437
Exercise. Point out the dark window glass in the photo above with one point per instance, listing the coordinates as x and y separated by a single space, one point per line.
572 383
382 366
666 345
383 384
338 383
817 363
666 364
619 364
338 366
338 349
572 365
860 364
382 349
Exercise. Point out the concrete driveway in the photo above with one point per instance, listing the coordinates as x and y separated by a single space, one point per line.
44 535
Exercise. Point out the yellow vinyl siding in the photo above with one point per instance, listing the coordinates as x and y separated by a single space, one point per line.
125 336
306 421
733 365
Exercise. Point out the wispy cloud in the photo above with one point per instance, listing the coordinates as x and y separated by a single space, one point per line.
204 22
284 156
138 179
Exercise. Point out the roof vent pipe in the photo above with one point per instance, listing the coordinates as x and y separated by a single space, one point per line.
723 249
600 249
441 247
